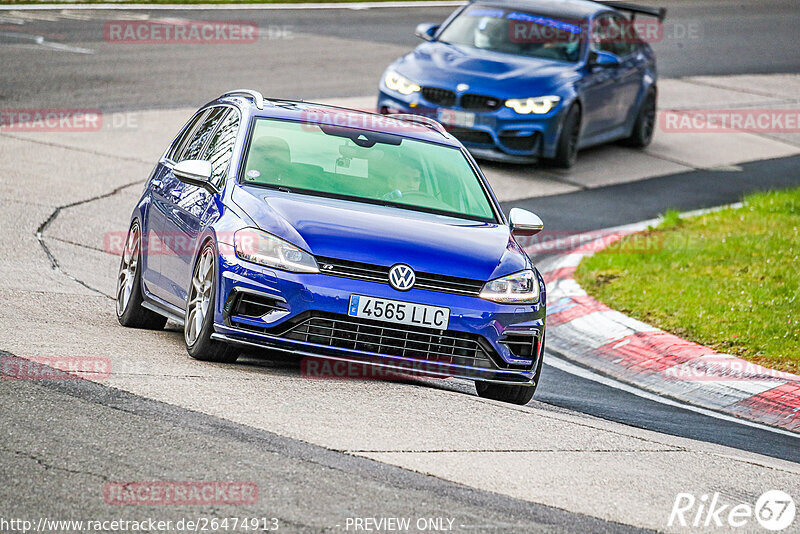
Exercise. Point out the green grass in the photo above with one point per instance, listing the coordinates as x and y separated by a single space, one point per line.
729 279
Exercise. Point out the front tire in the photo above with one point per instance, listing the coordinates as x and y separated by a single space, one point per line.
130 311
513 394
198 324
521 395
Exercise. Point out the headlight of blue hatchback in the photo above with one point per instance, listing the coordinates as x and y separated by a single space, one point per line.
538 106
266 249
517 288
401 84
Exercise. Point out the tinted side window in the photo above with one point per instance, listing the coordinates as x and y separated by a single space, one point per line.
627 42
202 134
615 34
185 135
221 147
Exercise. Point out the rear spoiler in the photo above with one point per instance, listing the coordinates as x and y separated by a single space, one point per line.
657 12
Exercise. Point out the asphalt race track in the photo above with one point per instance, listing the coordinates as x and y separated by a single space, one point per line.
581 457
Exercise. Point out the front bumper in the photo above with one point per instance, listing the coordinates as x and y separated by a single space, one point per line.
310 319
500 135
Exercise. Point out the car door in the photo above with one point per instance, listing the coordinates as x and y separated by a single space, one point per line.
604 86
193 208
159 206
631 70
597 85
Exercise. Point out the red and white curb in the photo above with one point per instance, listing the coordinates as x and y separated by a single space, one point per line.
586 332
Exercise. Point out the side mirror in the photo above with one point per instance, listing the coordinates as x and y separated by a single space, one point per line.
195 172
524 223
426 31
599 58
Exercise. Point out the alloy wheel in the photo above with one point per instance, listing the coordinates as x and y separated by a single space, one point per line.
127 268
199 296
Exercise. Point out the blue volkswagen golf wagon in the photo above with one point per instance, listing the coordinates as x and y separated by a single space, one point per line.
335 234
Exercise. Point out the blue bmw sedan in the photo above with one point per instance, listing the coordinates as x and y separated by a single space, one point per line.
521 80
337 235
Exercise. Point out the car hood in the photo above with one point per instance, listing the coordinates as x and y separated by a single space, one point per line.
384 235
493 73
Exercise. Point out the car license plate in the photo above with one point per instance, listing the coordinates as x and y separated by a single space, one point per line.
395 311
453 117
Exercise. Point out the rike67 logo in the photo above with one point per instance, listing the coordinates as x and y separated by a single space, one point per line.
774 510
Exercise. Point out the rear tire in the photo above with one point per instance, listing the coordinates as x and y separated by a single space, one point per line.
645 124
510 393
567 146
130 311
198 324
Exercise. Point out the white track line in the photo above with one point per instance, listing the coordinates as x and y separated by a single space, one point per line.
237 7
41 41
564 365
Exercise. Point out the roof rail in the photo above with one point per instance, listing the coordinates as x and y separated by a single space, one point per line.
257 97
658 12
420 119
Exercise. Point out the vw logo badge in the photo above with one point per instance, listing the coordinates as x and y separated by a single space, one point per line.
462 87
402 277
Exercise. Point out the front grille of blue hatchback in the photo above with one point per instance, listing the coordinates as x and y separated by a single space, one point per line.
438 96
435 346
380 274
480 102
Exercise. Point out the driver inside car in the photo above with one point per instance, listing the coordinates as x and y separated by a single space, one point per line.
406 178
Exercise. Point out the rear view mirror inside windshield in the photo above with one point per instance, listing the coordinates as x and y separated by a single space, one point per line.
362 138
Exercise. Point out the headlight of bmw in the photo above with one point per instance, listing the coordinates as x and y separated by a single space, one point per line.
399 83
517 288
266 249
539 105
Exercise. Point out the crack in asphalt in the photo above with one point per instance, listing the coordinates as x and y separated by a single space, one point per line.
78 149
47 222
48 466
76 244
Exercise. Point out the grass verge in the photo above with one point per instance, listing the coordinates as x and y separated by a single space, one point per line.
729 280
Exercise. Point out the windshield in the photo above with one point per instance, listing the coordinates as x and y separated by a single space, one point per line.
360 165
516 32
